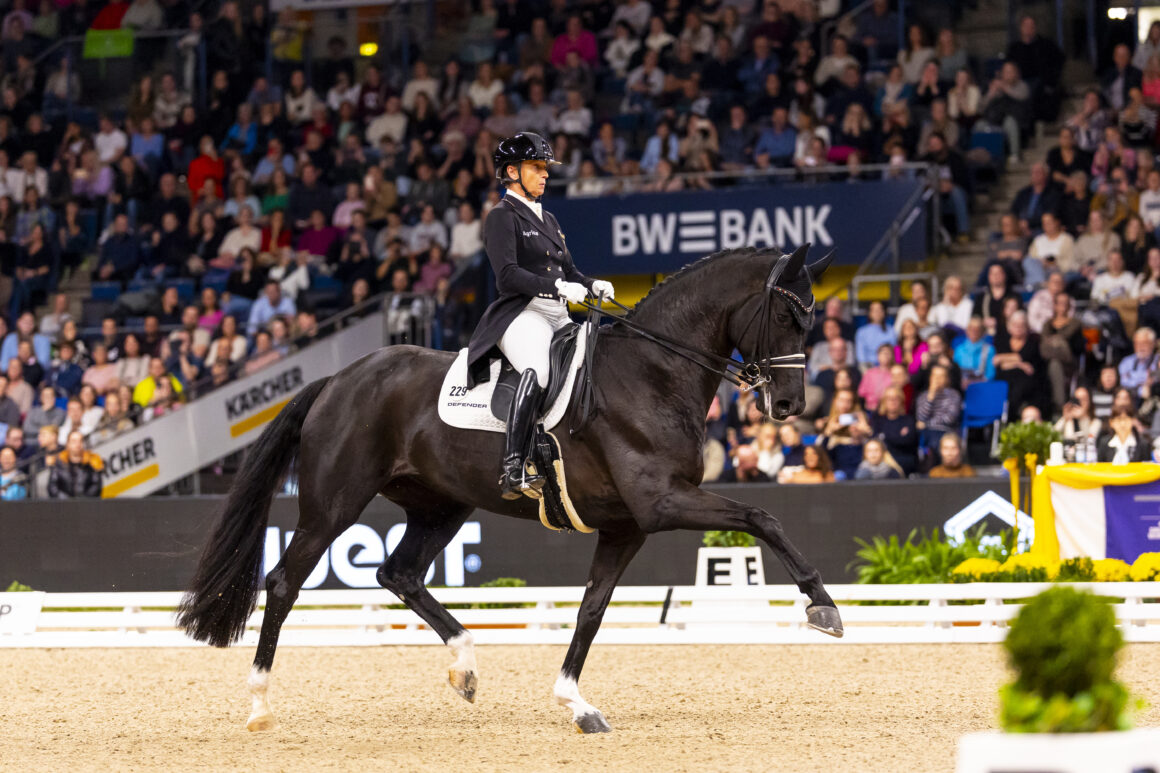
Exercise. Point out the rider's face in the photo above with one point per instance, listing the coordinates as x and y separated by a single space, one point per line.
534 176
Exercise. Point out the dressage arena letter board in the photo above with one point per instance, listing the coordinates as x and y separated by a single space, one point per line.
730 566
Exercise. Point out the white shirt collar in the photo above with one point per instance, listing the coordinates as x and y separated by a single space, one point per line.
532 205
1123 448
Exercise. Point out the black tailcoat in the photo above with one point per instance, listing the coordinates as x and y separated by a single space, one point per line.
528 256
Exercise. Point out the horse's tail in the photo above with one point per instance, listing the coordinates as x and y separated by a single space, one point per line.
225 586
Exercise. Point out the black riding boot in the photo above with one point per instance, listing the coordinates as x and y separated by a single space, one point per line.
520 424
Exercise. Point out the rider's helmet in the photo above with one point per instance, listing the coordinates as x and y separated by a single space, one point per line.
525 146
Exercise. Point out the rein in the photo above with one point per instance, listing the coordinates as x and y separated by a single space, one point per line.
746 376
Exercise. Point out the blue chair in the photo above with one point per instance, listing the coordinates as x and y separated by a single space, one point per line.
93 311
324 282
991 67
994 142
218 283
185 288
985 405
105 291
626 122
89 224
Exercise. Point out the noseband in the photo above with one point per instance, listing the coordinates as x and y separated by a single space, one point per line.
758 372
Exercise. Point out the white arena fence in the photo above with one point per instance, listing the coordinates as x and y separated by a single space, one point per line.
768 614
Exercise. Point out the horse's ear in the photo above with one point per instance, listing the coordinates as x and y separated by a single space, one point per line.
818 268
796 261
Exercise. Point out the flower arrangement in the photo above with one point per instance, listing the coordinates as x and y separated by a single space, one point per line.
1146 568
1032 565
1110 570
1029 567
975 569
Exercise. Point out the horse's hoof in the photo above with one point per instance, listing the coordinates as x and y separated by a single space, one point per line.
259 722
464 683
592 723
825 619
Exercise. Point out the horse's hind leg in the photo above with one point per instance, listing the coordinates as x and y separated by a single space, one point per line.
429 529
318 526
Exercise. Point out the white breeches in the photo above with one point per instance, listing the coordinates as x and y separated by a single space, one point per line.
528 338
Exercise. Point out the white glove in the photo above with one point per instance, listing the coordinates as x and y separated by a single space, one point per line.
604 290
573 292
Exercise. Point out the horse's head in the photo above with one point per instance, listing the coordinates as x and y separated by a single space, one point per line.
773 328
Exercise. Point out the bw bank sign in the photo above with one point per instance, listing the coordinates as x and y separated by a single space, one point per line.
660 232
699 232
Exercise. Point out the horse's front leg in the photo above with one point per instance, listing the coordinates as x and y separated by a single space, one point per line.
614 550
688 507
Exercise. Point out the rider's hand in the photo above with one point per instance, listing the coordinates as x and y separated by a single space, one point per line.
573 292
603 290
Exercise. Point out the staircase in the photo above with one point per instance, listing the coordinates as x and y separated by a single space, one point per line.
77 287
967 260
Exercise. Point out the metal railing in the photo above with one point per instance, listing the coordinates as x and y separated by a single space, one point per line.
830 27
856 284
401 29
603 186
110 78
890 243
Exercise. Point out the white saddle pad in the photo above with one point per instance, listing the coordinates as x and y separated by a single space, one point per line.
471 409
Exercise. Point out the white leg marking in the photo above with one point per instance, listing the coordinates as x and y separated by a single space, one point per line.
462 674
463 647
260 716
568 695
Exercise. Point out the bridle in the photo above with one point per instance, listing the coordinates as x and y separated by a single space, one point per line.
754 374
759 370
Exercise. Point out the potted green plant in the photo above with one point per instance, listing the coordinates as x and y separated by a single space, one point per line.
503 582
1024 445
1019 439
1065 711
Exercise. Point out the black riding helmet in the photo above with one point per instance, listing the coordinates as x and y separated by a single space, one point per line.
525 146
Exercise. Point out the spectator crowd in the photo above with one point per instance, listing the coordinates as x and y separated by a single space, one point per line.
1064 312
227 223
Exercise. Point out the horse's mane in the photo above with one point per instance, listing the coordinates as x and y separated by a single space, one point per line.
697 265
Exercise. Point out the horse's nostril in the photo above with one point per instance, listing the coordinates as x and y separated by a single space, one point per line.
782 407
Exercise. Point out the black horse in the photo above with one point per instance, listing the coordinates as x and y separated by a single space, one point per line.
635 469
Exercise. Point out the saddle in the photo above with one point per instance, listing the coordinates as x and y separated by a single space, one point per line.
560 354
485 406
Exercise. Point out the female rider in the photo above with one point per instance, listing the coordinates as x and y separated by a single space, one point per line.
536 279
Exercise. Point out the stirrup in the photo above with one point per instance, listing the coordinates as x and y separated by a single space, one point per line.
529 483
